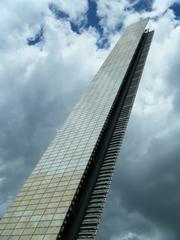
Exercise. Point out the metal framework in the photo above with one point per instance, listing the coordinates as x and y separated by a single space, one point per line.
83 218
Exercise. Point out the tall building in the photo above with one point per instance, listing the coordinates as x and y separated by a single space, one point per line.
64 196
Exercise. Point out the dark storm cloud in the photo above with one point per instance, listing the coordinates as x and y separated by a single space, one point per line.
144 201
145 194
27 123
29 119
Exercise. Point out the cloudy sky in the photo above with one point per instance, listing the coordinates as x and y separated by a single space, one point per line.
50 51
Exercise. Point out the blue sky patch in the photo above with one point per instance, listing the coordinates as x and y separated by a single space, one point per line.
75 28
57 12
176 8
103 43
39 37
93 19
143 5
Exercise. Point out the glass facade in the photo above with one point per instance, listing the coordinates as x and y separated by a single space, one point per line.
114 131
40 208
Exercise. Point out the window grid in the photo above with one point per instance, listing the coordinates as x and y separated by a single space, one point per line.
40 207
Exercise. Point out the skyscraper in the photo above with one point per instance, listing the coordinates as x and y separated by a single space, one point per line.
64 196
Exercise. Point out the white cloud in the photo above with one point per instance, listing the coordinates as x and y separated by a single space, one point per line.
130 236
62 50
115 12
111 12
76 9
155 97
160 7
